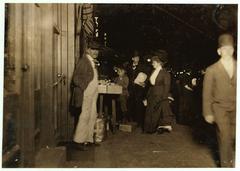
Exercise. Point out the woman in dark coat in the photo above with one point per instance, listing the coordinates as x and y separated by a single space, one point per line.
188 99
158 113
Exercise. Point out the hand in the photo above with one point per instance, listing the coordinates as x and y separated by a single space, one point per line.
145 102
171 98
142 84
194 81
209 119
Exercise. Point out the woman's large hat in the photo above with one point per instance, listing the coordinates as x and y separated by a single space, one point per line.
161 54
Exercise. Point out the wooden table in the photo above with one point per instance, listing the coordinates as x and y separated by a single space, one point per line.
109 89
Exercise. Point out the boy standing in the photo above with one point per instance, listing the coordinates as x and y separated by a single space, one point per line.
123 80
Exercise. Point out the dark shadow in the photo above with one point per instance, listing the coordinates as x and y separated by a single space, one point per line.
73 154
75 113
13 162
205 134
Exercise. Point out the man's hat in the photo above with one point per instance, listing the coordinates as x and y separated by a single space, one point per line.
161 54
135 53
93 44
225 39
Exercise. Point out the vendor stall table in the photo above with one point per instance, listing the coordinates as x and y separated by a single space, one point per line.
105 90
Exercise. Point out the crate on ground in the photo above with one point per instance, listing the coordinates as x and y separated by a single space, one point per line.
128 127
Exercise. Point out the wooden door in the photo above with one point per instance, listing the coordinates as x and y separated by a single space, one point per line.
58 68
63 65
31 83
44 51
59 77
37 81
37 72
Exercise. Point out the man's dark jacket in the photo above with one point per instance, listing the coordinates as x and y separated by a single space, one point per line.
82 76
219 90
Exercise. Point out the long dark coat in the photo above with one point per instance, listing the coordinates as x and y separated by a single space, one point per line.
158 110
136 95
82 76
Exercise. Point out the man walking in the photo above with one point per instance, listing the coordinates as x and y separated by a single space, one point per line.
219 98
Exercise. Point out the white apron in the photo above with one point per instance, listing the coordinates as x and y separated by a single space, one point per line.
85 127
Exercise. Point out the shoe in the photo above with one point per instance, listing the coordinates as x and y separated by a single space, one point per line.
166 127
169 128
162 130
93 144
80 146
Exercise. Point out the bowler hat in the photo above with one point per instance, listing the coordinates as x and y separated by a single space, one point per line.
135 53
161 54
93 44
225 39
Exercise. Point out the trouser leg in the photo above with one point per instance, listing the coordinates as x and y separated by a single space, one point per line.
85 126
140 113
81 132
76 113
93 117
123 106
131 107
226 137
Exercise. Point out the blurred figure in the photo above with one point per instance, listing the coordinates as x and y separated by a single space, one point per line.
189 83
176 93
123 80
219 98
158 115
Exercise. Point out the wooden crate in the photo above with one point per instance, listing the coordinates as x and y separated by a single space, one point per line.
110 89
128 127
102 89
114 89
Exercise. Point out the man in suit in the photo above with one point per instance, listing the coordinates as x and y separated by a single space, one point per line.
85 94
219 98
136 91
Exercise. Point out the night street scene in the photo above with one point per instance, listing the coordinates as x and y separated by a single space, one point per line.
119 85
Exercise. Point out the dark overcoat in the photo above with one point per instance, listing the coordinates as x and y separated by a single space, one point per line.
158 110
219 90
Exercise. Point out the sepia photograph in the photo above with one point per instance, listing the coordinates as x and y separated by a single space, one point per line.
119 85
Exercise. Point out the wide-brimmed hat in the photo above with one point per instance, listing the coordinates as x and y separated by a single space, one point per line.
162 55
225 40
